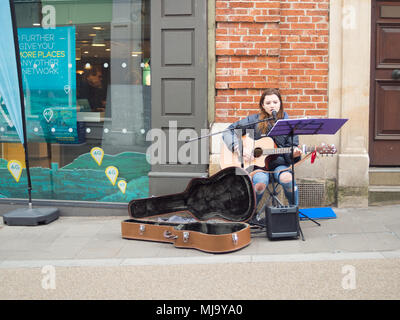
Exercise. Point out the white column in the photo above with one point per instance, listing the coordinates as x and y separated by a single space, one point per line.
349 82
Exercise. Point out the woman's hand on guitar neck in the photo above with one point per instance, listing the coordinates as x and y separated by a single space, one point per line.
297 152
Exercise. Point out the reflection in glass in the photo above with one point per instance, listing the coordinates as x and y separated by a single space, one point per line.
86 84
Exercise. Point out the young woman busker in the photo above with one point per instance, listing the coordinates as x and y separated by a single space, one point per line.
278 165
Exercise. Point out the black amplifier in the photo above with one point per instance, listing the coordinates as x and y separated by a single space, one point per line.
282 222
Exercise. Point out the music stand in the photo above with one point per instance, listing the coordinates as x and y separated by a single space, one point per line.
293 127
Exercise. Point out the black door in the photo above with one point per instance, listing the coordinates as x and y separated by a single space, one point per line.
179 91
384 148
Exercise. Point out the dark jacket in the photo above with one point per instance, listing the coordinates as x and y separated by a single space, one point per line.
94 95
248 127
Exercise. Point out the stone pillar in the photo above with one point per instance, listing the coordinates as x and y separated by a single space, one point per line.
349 81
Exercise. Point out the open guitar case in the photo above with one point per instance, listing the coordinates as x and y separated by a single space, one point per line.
218 207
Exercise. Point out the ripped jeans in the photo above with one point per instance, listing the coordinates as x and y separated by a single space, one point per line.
263 178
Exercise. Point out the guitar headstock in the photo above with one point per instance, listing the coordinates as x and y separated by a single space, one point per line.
326 149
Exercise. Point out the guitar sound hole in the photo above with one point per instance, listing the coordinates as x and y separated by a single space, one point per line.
257 152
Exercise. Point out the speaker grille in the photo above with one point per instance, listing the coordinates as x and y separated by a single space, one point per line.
311 194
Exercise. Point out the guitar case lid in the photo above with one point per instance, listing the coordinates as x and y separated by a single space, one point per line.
227 195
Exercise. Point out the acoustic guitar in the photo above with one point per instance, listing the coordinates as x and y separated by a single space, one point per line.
264 150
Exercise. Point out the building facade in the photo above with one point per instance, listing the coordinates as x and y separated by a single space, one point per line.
114 90
335 59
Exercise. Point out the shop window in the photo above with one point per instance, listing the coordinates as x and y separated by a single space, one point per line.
86 77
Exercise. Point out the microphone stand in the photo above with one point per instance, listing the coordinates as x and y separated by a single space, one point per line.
226 130
239 140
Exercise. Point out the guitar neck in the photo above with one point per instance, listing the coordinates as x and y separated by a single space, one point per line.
286 150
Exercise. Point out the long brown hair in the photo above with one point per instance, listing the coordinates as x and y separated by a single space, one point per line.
263 126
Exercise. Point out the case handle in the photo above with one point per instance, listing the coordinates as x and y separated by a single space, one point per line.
169 235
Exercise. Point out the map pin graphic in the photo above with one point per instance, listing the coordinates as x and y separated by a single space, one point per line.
97 154
112 174
122 186
48 114
15 168
67 88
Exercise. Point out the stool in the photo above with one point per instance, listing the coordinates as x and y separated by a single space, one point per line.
270 197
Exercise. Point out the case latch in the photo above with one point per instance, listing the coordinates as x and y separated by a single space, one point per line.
142 229
235 238
185 236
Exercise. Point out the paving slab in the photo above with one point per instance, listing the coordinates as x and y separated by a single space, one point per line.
354 230
279 280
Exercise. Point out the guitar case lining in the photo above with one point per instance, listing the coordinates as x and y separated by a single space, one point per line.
220 205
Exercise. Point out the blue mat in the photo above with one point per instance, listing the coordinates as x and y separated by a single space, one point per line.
317 213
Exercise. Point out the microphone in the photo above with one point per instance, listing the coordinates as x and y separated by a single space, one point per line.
274 115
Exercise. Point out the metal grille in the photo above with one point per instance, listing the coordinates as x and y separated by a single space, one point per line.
311 194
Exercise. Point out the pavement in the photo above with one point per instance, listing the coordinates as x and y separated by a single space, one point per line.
354 256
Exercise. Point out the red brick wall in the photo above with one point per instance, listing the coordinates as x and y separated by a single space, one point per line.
281 44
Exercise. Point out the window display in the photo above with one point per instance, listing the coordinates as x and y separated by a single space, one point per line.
86 79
